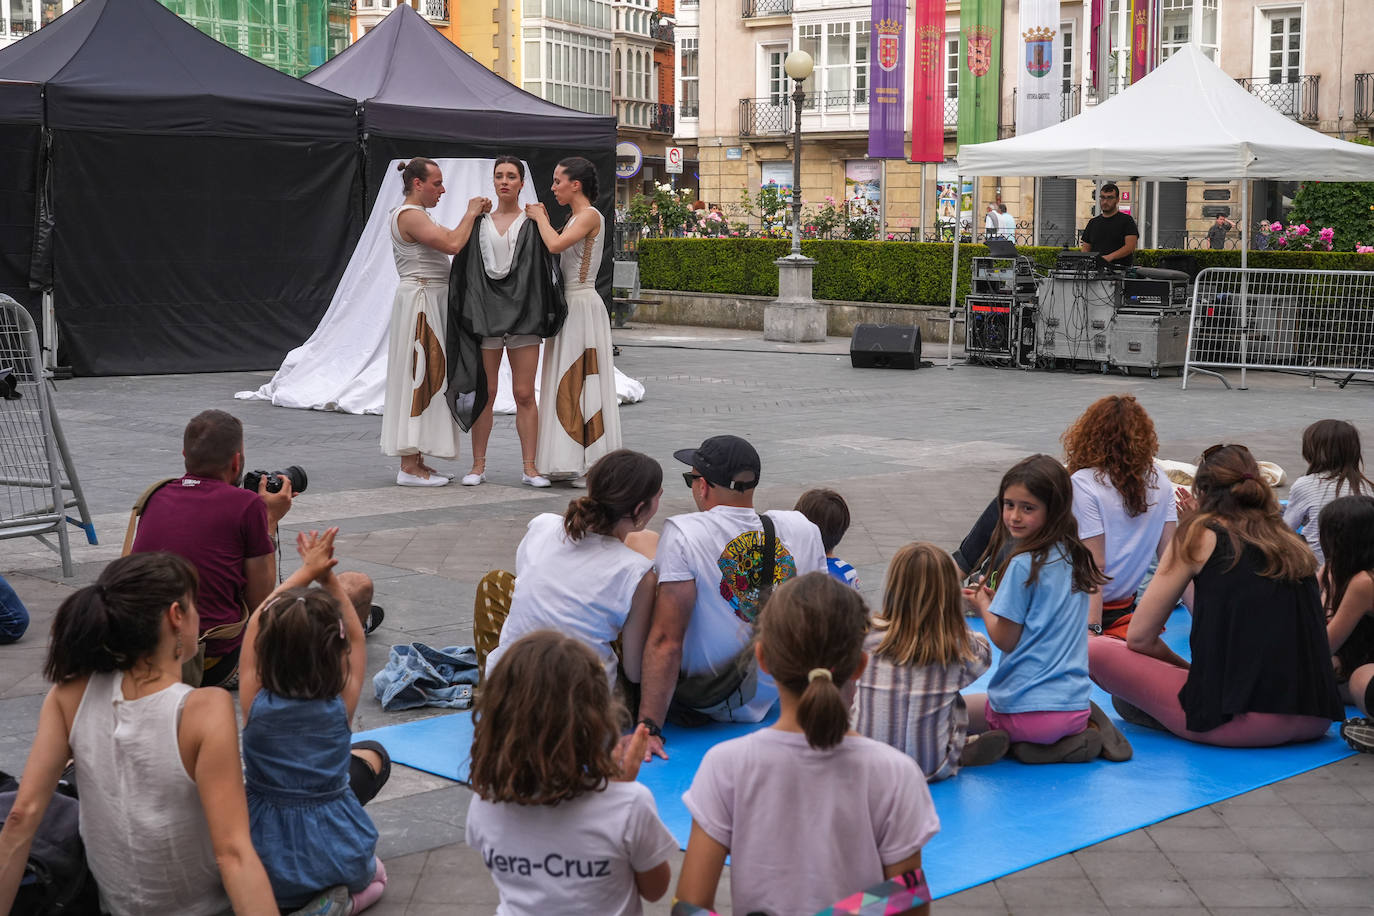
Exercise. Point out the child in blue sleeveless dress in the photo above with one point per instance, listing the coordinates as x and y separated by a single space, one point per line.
303 664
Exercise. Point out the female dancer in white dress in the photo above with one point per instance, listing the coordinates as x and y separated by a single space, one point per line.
580 421
415 419
496 238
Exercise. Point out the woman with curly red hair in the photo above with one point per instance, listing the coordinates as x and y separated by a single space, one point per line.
1125 510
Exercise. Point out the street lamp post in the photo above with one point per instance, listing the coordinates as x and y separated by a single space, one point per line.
794 316
798 66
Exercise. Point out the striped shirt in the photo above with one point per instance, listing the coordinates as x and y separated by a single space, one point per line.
918 709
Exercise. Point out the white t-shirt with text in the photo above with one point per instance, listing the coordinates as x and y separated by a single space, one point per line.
719 550
576 857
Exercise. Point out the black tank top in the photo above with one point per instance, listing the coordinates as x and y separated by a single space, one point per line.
1258 644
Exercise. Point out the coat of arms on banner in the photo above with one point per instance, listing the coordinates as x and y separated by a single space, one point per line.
1039 51
889 43
979 49
929 52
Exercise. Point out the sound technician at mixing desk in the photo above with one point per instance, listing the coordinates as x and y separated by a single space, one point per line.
1111 233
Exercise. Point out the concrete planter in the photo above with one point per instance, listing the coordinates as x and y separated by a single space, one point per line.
746 313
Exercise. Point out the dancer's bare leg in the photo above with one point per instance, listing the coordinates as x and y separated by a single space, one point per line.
524 361
414 464
481 427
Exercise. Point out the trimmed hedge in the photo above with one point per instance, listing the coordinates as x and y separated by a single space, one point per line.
908 273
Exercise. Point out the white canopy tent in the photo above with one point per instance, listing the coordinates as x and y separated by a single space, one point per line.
1186 120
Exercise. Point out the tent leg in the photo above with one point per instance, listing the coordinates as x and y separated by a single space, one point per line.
954 279
49 332
1244 277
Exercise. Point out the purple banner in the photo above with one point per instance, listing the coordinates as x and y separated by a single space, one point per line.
886 80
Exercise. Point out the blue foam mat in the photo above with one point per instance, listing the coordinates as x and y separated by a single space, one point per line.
994 820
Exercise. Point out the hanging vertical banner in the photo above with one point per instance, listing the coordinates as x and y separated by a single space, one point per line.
928 83
980 70
1095 34
1142 37
886 79
1039 76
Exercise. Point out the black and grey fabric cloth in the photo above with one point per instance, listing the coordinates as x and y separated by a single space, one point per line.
527 300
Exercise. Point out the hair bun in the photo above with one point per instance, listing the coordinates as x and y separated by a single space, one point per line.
402 166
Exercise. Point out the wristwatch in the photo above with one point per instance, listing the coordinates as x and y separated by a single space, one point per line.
654 730
1095 629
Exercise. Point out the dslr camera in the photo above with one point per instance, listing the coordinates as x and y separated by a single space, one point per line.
295 474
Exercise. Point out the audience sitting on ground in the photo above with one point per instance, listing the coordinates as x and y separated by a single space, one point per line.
713 577
1123 503
921 653
304 663
556 813
1260 673
806 791
14 617
228 533
163 815
1347 584
1335 467
1035 607
589 573
828 511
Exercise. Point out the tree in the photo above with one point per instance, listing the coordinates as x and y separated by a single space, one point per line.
1346 206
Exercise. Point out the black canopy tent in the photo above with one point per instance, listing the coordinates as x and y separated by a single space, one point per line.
204 205
424 96
21 117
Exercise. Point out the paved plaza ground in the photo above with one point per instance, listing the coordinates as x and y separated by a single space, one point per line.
916 454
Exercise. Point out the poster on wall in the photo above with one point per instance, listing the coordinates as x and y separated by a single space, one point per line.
863 187
778 174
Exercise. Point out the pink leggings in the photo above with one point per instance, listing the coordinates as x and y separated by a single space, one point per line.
1153 686
373 892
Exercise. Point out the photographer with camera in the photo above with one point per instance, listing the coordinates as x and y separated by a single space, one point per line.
228 532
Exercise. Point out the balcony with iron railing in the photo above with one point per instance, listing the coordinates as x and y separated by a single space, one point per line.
434 10
951 113
21 27
837 110
1295 97
662 32
662 119
1364 97
754 9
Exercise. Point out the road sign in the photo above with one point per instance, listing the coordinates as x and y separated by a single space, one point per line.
672 159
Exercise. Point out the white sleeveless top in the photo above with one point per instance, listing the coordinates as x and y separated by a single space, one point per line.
581 260
414 260
147 840
498 251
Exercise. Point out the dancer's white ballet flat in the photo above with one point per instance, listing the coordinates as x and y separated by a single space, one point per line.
580 481
476 478
404 479
535 480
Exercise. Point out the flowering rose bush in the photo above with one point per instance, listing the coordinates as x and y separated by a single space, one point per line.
1297 237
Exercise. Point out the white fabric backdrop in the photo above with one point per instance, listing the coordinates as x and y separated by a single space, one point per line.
343 365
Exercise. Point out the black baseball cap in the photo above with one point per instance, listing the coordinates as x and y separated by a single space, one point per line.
721 458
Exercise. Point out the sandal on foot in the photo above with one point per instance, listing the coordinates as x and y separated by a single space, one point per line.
375 616
1115 747
475 477
1079 748
1359 734
530 476
334 902
981 750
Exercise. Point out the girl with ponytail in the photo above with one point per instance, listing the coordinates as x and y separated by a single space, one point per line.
170 834
589 573
807 789
1261 671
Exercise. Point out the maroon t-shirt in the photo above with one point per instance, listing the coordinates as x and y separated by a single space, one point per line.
216 526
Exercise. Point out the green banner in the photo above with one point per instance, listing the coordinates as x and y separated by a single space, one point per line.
980 70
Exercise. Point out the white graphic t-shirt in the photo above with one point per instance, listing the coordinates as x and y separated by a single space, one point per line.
578 856
722 551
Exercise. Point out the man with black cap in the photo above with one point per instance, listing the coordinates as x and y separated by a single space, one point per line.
713 575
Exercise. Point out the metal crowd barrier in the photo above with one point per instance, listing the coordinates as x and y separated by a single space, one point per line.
1292 320
38 482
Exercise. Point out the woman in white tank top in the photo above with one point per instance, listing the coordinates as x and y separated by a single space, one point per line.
163 815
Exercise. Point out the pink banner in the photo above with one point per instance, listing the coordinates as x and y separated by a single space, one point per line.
1093 38
928 83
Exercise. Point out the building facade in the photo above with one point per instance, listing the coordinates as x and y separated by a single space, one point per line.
22 17
1305 58
644 49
